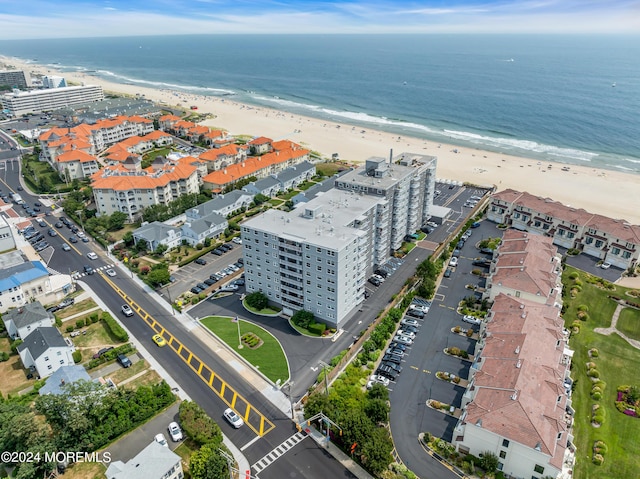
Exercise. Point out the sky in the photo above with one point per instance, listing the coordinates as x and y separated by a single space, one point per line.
32 19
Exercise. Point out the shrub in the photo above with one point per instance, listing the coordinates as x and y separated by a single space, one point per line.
14 345
77 356
469 333
257 300
317 328
594 353
4 356
596 395
114 328
70 328
94 318
598 459
573 275
198 425
79 323
302 318
583 307
593 373
600 447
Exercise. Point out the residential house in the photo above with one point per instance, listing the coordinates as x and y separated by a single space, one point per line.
224 156
21 321
76 164
526 266
213 138
210 226
166 122
156 234
269 186
46 351
611 240
25 281
223 205
153 462
260 145
317 189
64 376
296 175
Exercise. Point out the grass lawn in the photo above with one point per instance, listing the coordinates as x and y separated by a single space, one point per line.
76 308
306 185
85 470
13 377
617 363
125 373
185 450
267 310
407 247
268 358
303 331
329 169
97 336
275 202
288 195
629 323
147 379
118 235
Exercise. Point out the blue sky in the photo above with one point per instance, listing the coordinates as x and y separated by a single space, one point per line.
70 18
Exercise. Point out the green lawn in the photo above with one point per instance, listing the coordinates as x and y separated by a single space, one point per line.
617 363
306 185
267 310
275 202
629 323
268 358
288 195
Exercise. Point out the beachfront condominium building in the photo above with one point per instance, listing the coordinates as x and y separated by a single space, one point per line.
614 241
517 402
406 182
20 103
128 188
15 78
316 257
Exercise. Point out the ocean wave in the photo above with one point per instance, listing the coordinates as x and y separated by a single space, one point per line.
157 84
337 115
630 160
624 168
527 145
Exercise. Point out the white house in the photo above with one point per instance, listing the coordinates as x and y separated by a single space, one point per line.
157 233
210 226
46 351
22 321
153 462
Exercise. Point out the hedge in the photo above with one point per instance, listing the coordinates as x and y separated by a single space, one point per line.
110 355
317 328
114 328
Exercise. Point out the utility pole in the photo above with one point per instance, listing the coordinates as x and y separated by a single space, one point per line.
290 385
325 368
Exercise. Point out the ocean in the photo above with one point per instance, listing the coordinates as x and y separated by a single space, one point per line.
572 99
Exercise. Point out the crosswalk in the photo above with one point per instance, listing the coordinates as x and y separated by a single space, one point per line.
80 274
277 452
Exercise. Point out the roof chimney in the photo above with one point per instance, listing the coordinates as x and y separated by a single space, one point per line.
391 156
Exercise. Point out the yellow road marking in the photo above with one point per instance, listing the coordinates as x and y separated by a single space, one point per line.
264 424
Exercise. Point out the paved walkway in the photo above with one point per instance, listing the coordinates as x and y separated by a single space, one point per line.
612 329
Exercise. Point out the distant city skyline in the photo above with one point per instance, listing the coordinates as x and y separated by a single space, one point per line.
71 19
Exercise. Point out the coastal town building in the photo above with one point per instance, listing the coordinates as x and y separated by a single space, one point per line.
517 403
223 204
76 164
26 281
283 181
260 167
156 234
15 78
53 81
7 242
65 375
21 321
128 188
137 145
154 462
318 256
45 351
95 138
20 103
614 241
406 182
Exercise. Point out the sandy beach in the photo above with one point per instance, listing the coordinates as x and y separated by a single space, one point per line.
606 192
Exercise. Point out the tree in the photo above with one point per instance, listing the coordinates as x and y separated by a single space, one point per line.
489 461
208 463
128 238
142 245
302 318
378 391
376 450
158 275
257 300
198 425
161 249
377 409
116 220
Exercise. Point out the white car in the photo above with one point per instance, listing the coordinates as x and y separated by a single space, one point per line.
403 340
605 265
110 272
66 247
229 288
410 322
419 307
80 234
432 224
235 420
237 240
453 261
127 311
160 439
376 378
175 432
92 255
471 319
408 334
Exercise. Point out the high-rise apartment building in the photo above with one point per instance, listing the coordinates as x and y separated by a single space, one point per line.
19 103
15 78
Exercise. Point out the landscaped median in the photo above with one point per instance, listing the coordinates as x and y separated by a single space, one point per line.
259 347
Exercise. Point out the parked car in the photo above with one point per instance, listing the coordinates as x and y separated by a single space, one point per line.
209 281
52 232
237 240
379 379
73 239
215 277
447 273
374 281
403 340
200 261
59 224
406 333
433 224
381 272
231 416
101 352
605 265
416 313
160 439
196 290
229 288
400 346
202 286
224 247
456 253
217 252
453 261
475 224
391 358
124 361
175 432
387 372
92 255
471 319
395 351
239 282
409 322
391 365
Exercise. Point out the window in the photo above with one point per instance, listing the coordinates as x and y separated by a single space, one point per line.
503 454
46 358
62 361
537 224
615 251
505 443
49 366
539 469
599 243
589 240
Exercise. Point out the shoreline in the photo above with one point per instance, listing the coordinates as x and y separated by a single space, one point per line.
596 190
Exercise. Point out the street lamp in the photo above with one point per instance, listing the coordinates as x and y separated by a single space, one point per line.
290 384
325 367
173 311
80 213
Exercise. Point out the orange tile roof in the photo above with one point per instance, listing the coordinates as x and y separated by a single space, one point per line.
285 145
169 118
156 135
249 166
214 134
215 153
261 140
120 179
75 155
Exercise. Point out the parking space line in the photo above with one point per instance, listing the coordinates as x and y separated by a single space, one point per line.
254 419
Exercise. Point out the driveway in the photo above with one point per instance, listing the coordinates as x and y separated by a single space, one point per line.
125 448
